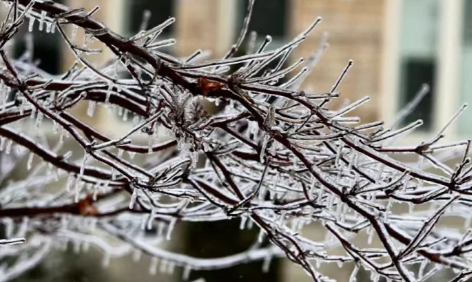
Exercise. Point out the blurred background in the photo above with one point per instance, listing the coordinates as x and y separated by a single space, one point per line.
396 45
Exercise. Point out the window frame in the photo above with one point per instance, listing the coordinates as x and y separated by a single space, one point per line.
127 24
446 99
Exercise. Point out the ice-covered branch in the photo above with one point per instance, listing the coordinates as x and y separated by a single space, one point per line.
274 156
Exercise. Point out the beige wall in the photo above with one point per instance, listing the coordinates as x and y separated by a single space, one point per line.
355 32
206 25
110 13
354 27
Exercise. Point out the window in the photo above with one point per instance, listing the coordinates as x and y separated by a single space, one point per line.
46 49
415 73
268 17
160 10
46 46
418 55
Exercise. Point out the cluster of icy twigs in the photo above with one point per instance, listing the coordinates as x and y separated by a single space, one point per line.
273 156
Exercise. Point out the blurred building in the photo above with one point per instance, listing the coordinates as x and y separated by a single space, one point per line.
396 45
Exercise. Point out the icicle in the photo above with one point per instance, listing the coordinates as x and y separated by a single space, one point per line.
107 97
125 115
91 108
39 119
170 228
423 265
353 277
120 153
126 61
339 263
23 227
260 238
186 272
41 20
64 221
132 154
151 218
48 26
2 143
320 194
74 32
61 136
163 267
76 247
22 105
266 263
252 127
135 120
242 225
8 228
105 188
85 246
338 154
106 260
55 174
371 236
389 206
96 189
153 266
70 179
55 127
2 90
113 173
339 208
160 229
31 23
8 149
193 159
78 188
150 143
250 224
281 221
374 277
87 39
53 27
30 161
144 222
33 112
5 97
82 166
263 148
137 255
133 199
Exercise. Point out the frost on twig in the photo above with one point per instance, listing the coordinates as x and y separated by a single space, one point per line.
6 242
281 164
